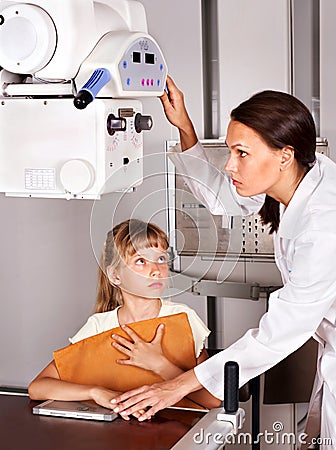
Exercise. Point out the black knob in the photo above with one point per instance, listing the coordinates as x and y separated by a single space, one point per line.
231 387
142 123
115 124
82 99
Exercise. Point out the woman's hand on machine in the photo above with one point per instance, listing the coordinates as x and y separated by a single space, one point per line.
174 107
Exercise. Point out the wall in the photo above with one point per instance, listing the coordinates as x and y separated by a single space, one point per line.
254 50
48 277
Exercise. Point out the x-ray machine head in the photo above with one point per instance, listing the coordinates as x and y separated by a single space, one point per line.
72 72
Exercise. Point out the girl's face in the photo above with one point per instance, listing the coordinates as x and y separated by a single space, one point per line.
145 274
254 167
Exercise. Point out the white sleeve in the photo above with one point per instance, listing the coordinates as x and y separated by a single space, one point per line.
211 186
295 312
199 330
87 330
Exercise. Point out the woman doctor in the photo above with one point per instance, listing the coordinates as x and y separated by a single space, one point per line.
272 169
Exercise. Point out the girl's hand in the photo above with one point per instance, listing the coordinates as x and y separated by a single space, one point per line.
103 397
152 399
147 355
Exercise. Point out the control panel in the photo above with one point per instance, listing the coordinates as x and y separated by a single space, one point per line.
123 143
135 67
142 66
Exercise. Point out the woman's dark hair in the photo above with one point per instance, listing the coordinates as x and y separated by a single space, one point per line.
280 119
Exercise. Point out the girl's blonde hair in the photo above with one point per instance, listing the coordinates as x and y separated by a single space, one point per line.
122 243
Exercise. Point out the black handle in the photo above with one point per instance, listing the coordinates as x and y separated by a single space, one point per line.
231 387
82 99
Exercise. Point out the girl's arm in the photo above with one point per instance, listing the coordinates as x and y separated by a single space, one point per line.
47 385
202 396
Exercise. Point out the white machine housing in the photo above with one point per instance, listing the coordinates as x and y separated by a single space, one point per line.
74 28
70 154
49 49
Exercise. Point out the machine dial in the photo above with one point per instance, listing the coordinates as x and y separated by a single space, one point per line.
142 123
115 124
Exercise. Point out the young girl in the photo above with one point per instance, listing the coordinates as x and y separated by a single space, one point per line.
132 277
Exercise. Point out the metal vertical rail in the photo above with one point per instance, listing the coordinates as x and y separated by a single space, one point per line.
255 392
211 84
212 321
211 110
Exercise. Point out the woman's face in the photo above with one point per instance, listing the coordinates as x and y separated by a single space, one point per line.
254 167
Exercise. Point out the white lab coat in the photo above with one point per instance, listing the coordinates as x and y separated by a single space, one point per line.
305 253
